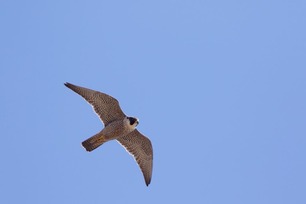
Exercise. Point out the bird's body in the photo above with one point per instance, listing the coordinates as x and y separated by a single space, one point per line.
117 126
113 130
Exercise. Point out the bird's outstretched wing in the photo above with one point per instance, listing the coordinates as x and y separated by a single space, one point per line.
105 106
140 148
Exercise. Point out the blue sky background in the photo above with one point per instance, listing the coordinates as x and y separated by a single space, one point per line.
219 88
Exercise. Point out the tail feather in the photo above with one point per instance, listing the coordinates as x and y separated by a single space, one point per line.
93 142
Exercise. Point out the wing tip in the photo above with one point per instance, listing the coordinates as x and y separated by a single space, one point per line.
147 179
67 84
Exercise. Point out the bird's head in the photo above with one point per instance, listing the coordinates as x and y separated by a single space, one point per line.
133 121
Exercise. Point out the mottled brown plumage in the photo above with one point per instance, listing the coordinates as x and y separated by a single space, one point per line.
141 148
106 107
117 126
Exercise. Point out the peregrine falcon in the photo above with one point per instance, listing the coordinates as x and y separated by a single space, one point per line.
117 126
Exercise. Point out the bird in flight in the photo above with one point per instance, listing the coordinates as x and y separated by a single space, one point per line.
117 126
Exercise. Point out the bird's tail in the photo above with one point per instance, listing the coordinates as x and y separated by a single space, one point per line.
94 142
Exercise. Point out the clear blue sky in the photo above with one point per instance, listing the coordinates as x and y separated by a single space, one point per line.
219 88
